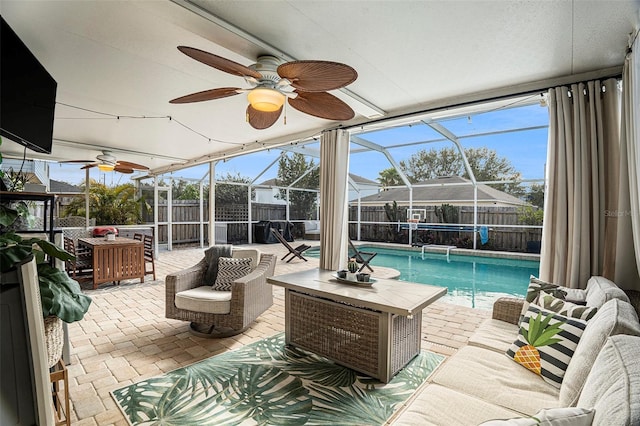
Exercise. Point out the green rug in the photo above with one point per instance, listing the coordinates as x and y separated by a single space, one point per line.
266 383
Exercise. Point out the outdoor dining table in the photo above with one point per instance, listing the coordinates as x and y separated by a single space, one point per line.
115 260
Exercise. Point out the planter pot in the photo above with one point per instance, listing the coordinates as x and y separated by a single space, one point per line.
54 339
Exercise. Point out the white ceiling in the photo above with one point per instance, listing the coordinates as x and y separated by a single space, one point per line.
119 58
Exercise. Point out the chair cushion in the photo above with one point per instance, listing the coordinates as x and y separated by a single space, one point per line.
546 342
204 299
229 270
240 253
600 290
613 385
211 256
614 317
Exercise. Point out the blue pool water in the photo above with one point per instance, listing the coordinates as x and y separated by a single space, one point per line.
472 281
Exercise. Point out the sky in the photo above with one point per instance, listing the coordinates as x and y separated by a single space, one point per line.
526 150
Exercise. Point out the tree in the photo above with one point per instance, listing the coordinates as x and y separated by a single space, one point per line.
231 194
484 162
183 190
536 195
302 204
109 206
389 177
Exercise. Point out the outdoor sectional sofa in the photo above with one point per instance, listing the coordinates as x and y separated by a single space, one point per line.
480 383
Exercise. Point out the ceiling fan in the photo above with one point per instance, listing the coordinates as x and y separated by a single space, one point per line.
303 83
107 163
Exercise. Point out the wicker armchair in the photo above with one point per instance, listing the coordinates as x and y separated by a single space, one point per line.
250 295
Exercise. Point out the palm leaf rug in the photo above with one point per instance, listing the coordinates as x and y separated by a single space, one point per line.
266 383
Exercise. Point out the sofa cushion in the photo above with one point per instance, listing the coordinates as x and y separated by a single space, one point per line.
546 342
438 405
613 385
493 377
562 416
211 256
204 299
494 335
614 317
229 270
566 308
600 290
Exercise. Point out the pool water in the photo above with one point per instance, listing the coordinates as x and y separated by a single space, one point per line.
472 281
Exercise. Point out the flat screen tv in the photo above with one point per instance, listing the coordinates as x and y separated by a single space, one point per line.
27 93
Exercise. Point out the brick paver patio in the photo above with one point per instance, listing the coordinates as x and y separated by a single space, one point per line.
125 337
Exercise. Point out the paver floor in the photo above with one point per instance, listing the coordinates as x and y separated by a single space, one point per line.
125 336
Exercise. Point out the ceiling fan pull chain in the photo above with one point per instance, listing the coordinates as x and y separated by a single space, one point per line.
285 114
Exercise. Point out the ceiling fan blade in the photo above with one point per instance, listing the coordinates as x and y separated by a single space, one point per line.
122 169
317 76
88 166
323 105
262 120
219 62
206 95
129 165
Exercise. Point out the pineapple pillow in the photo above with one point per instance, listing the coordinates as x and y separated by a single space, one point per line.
568 309
546 342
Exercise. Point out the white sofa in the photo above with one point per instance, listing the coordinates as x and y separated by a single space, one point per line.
481 383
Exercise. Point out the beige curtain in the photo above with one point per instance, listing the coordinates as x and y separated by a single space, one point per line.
579 236
627 269
334 168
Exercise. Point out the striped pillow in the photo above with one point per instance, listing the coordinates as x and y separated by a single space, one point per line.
568 309
229 270
546 342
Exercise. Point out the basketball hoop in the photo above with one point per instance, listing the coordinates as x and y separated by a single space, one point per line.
413 224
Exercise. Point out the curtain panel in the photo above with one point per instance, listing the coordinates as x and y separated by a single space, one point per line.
334 168
627 273
581 201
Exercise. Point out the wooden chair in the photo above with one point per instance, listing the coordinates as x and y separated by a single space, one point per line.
293 252
362 257
148 252
82 267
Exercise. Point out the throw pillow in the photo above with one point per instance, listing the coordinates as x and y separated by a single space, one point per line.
546 342
536 285
229 270
562 416
568 309
211 256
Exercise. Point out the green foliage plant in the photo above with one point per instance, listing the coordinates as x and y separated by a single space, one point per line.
295 169
117 205
530 215
60 295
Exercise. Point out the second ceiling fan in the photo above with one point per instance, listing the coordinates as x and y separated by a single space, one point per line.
304 83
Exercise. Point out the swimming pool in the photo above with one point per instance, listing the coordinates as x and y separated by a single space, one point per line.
472 281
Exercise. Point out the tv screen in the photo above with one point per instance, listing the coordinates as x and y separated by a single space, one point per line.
28 94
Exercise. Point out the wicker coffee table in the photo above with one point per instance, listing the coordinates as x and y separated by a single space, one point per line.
374 330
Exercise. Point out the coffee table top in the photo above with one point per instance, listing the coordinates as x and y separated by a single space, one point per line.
386 295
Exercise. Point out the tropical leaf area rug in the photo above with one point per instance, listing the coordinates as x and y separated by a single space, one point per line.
266 383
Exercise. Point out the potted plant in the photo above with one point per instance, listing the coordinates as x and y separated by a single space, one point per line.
60 295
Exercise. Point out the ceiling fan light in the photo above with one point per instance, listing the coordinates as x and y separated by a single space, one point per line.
265 99
104 167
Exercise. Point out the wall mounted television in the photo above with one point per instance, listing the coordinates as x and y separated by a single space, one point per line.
28 94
